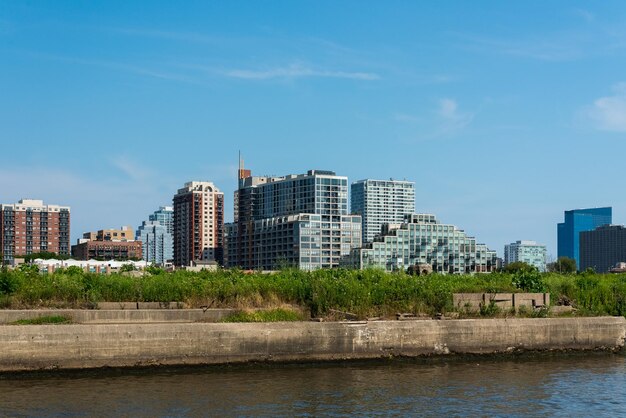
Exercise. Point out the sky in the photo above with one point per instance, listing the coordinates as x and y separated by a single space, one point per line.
504 114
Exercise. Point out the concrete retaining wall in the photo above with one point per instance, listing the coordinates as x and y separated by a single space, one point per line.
30 347
119 316
471 302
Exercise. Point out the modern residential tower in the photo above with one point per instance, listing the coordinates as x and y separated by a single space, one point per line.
381 202
295 220
577 221
30 227
164 216
198 223
157 243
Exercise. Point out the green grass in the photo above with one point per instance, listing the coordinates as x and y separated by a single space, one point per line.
272 315
43 320
366 293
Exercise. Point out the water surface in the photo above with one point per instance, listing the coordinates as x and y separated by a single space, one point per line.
592 384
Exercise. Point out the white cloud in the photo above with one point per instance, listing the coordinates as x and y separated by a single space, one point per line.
131 168
609 113
451 118
297 71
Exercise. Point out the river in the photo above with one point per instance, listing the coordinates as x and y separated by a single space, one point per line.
591 384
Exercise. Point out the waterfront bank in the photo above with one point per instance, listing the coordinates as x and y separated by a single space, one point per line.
34 347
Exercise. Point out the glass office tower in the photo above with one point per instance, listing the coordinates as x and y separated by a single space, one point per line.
577 221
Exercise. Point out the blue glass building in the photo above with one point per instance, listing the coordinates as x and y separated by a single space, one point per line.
577 221
157 242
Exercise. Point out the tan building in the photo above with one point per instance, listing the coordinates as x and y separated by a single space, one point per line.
30 227
125 233
198 223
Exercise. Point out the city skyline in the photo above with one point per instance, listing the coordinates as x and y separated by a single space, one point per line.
503 118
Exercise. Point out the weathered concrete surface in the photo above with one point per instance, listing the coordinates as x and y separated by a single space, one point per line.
83 316
31 347
471 302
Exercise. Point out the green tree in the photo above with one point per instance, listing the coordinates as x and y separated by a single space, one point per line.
127 267
563 265
517 266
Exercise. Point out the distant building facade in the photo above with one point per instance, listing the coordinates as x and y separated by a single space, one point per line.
528 252
164 216
575 222
421 239
198 223
108 244
107 250
125 233
295 220
603 248
381 202
30 227
157 243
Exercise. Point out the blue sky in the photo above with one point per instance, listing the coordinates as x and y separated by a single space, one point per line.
503 113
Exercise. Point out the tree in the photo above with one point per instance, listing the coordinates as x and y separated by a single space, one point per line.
518 266
127 267
563 265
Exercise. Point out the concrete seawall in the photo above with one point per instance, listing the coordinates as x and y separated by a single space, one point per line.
32 347
88 316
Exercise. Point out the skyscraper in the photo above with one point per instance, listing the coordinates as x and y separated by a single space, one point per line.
295 220
30 227
577 221
157 236
157 242
602 248
198 223
380 202
164 216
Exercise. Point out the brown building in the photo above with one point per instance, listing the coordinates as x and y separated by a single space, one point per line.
198 223
116 244
108 250
30 227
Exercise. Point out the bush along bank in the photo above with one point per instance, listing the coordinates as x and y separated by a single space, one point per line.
361 293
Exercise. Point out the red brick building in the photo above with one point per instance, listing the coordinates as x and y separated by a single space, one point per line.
30 227
108 250
198 223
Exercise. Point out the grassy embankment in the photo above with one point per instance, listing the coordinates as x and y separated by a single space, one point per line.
365 293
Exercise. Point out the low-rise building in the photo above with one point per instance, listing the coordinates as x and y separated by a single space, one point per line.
116 250
422 239
117 244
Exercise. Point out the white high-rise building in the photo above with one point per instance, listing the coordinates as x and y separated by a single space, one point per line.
381 202
198 223
527 251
